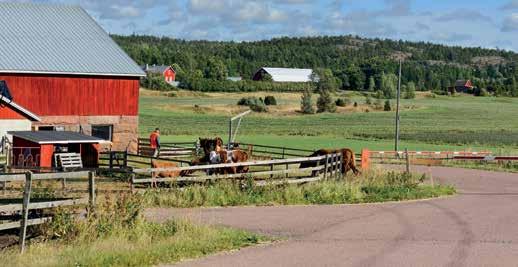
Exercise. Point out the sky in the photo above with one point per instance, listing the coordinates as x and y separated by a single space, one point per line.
484 23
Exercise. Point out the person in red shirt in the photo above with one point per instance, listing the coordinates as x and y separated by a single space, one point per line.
154 141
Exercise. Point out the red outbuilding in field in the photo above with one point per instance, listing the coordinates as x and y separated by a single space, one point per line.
167 72
60 65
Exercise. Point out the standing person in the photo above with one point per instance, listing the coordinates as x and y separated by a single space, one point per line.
154 142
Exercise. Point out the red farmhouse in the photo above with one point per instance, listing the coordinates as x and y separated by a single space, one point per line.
62 66
167 71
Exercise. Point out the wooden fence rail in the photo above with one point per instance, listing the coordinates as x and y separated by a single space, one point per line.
26 205
328 166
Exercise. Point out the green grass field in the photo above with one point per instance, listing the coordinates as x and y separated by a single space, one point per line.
427 123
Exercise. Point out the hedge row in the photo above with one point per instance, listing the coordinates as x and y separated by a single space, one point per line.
205 85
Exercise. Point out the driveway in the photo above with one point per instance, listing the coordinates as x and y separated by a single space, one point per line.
477 227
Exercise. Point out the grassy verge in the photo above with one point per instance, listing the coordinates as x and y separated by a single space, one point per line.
371 187
116 235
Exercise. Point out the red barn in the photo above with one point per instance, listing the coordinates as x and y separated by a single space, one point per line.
167 71
62 66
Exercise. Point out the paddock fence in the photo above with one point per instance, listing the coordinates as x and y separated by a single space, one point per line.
169 149
263 172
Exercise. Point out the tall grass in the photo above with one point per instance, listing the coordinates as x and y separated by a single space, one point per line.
116 235
370 187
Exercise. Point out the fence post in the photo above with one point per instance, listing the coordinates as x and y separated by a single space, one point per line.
132 182
271 169
407 161
337 173
91 189
111 160
326 166
126 159
316 171
4 183
340 163
25 210
365 159
283 152
64 184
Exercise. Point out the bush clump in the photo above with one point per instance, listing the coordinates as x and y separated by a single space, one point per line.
254 103
341 102
270 100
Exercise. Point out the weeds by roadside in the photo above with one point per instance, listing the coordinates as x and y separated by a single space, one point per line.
370 187
115 234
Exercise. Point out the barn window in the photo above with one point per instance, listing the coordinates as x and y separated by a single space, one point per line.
103 131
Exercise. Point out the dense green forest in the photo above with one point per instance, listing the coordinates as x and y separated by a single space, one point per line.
355 63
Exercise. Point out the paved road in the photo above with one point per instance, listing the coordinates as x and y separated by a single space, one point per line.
478 227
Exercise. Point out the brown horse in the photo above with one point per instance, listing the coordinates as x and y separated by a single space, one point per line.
209 145
348 160
219 155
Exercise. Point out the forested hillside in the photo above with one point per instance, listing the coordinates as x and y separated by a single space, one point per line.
356 63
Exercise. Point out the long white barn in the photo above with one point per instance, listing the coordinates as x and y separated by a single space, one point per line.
284 74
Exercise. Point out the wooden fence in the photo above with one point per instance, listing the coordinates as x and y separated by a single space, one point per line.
168 150
273 152
27 205
328 166
125 161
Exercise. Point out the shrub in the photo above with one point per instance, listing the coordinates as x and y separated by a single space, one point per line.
387 106
270 100
368 100
254 103
340 102
480 92
155 82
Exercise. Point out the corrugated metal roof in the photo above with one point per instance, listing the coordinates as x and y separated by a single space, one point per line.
56 137
62 39
289 75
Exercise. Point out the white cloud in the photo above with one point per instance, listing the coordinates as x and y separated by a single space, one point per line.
510 23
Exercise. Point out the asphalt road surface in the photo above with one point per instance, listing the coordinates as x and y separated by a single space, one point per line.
477 227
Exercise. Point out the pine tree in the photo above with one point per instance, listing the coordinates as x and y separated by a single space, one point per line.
306 104
372 84
325 102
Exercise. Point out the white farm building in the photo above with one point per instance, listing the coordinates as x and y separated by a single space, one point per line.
284 74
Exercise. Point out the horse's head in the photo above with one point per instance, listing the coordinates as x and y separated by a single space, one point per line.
218 143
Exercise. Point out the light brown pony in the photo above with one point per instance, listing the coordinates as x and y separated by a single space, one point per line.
348 160
165 174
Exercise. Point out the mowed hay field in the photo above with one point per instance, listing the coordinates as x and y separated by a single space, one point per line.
427 122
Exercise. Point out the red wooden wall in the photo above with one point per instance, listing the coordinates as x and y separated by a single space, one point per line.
65 95
169 75
6 113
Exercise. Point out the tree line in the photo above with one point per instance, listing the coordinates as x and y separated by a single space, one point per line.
354 63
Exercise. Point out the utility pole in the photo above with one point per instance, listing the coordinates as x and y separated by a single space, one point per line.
396 146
